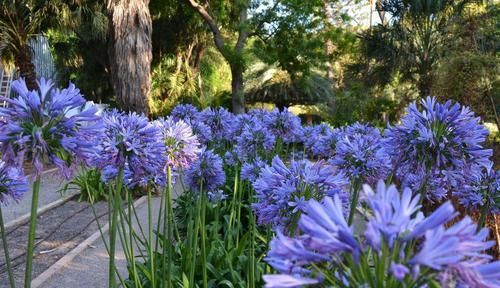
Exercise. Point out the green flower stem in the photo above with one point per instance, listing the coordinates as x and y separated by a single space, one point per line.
194 243
32 233
131 240
204 238
252 277
170 226
354 201
150 239
113 227
6 251
482 218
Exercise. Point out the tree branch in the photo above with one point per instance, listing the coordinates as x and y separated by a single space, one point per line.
218 39
243 31
263 20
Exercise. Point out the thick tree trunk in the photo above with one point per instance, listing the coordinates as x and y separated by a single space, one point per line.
26 67
237 93
130 52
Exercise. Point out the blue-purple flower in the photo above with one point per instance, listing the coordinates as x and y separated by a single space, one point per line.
132 143
398 238
250 170
480 189
311 135
359 153
440 137
284 125
13 184
182 146
286 281
219 121
47 125
206 172
281 190
254 140
325 143
185 112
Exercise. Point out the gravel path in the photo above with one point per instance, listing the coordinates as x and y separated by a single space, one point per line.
59 230
51 184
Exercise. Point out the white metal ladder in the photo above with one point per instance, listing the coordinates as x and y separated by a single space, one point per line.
5 82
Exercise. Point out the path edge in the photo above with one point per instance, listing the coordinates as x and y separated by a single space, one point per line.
66 259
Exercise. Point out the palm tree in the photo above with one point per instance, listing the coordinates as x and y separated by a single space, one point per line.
19 21
130 52
270 84
413 41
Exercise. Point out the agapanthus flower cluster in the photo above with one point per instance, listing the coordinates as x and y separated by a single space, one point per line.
282 192
185 112
284 125
132 143
47 125
405 247
253 139
182 146
481 189
446 138
359 153
13 184
189 114
219 121
206 173
251 170
321 140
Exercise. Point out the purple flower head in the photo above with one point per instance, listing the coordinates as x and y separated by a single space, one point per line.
206 172
185 112
287 281
250 170
396 234
230 158
48 125
360 154
202 131
325 236
13 184
284 125
130 141
312 134
181 145
216 196
279 189
325 145
444 137
253 141
481 186
219 121
393 215
399 271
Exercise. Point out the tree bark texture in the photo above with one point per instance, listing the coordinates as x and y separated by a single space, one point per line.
237 92
130 52
26 68
234 58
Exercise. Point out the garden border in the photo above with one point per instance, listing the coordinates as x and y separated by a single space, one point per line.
26 217
61 263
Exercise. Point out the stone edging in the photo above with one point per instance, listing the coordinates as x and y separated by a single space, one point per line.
61 263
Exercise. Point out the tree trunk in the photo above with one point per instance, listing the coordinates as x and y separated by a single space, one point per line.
130 52
237 93
329 45
26 67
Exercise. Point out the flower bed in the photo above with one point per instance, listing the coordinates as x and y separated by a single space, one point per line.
269 201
